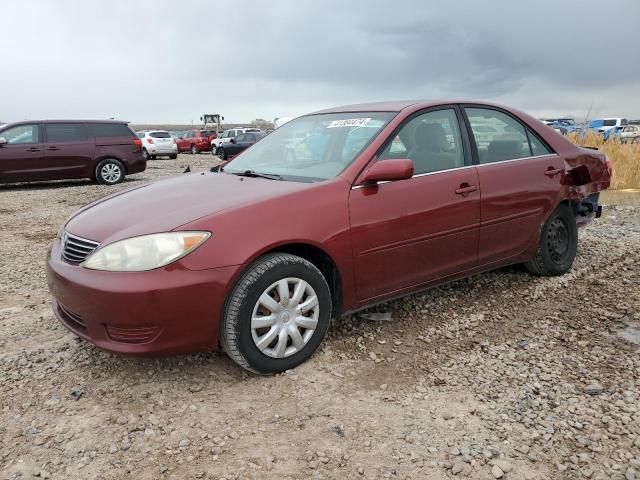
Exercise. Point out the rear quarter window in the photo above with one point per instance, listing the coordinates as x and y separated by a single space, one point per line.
105 130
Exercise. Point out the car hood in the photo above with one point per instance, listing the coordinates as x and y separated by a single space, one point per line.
166 205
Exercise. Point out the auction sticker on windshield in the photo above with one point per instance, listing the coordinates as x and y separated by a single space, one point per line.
349 122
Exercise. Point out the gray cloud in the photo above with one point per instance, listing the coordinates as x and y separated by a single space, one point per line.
169 61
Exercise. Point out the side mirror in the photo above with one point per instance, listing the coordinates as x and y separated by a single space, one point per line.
3 141
389 170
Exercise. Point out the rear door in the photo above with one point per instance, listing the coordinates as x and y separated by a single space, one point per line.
69 150
520 178
22 157
410 232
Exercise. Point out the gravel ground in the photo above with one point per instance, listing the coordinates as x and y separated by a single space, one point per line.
503 375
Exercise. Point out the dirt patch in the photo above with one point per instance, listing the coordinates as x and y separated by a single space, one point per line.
503 370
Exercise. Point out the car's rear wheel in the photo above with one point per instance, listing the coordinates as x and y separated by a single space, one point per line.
277 314
110 171
222 155
194 150
173 157
145 154
557 246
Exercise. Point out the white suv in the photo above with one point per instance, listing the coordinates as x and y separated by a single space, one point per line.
156 143
227 135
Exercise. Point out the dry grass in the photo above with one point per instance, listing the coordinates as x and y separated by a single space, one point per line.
625 159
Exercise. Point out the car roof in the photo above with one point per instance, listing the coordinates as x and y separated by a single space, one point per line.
399 105
23 122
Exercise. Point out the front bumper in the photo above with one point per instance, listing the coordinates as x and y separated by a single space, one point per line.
163 311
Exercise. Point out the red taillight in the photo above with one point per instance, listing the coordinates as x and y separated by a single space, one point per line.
150 140
138 144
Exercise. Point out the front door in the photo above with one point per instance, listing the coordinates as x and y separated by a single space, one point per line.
22 157
520 179
410 232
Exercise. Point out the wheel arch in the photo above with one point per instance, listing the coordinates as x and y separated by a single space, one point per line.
318 257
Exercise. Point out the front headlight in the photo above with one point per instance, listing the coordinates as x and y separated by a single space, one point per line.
143 253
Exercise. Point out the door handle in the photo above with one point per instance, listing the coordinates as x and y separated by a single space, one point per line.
551 172
33 149
466 188
53 148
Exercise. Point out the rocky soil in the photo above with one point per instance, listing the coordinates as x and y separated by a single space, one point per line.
503 375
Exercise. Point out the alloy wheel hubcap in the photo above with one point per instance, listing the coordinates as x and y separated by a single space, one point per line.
285 317
111 173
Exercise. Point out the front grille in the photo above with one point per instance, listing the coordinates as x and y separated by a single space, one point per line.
76 249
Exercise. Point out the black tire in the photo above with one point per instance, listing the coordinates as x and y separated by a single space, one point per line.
153 157
106 171
194 150
145 154
235 329
173 157
222 155
557 246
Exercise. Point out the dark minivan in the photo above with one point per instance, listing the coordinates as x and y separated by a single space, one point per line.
102 150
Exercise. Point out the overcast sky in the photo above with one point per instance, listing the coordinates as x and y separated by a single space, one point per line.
167 61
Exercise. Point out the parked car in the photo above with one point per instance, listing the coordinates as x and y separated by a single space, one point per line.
105 151
261 255
158 143
238 144
607 127
194 141
630 134
227 135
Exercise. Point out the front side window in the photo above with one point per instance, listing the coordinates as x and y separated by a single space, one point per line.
65 132
22 134
312 148
611 122
507 139
431 140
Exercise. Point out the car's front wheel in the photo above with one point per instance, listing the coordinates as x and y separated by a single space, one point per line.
110 171
558 244
277 314
222 155
194 150
214 150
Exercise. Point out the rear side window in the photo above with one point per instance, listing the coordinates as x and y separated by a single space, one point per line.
160 135
65 132
505 140
609 123
537 147
101 130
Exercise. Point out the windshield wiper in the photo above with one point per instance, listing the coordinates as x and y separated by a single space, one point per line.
253 173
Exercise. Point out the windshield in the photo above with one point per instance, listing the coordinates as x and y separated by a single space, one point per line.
312 148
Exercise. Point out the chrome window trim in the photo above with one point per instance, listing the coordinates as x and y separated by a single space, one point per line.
354 187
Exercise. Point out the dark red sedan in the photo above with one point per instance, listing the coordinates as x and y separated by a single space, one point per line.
377 201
